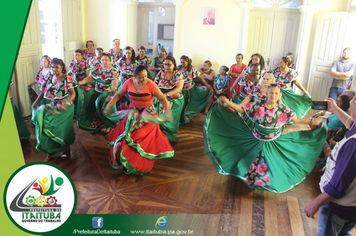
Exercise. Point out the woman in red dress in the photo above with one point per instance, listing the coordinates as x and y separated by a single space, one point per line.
137 140
235 71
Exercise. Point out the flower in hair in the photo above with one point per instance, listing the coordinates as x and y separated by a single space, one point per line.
116 39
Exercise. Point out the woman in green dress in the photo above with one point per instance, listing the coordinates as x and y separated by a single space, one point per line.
79 70
116 52
259 153
126 65
54 121
144 60
90 115
42 75
248 82
89 51
259 92
285 75
171 83
255 58
195 98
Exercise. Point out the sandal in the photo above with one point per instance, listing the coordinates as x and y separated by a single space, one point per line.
66 154
106 130
47 158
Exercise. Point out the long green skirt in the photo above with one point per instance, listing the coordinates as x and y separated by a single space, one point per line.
55 131
43 102
22 129
170 128
300 104
195 100
90 108
276 166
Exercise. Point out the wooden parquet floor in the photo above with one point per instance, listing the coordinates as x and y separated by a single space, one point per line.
185 184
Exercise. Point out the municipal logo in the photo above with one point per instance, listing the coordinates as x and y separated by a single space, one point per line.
39 197
161 222
98 222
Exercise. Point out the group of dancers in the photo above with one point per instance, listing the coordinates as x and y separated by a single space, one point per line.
142 102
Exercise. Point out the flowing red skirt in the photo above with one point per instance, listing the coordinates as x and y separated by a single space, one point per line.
153 144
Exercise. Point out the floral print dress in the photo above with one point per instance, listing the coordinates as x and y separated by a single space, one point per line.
300 104
87 55
116 56
90 115
102 78
146 61
40 79
79 69
284 80
58 93
169 84
269 122
176 101
248 87
257 151
54 125
189 77
257 94
126 70
195 98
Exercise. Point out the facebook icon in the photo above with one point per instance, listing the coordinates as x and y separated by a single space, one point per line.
98 222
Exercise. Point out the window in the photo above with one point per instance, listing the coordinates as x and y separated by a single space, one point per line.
277 3
161 11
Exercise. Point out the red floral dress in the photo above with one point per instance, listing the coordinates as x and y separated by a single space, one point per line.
58 93
146 61
248 84
126 70
189 77
116 56
78 69
103 77
272 119
256 93
87 55
167 85
284 80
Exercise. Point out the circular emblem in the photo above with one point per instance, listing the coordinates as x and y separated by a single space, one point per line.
39 197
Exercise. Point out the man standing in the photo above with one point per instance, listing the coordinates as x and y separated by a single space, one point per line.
341 71
337 202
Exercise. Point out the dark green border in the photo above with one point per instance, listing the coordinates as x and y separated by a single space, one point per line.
31 164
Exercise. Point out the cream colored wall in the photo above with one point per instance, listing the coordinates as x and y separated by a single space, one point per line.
104 21
132 26
218 43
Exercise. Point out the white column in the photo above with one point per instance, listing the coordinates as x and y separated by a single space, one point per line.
177 27
304 33
246 7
